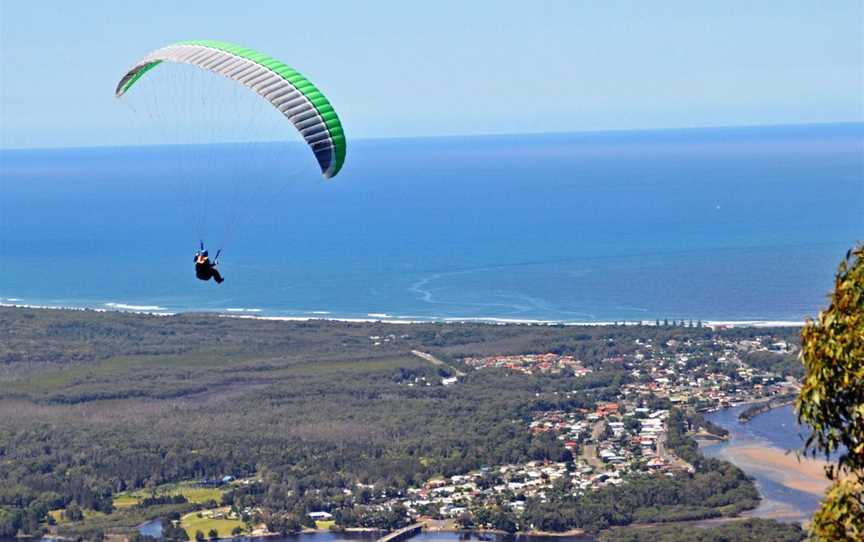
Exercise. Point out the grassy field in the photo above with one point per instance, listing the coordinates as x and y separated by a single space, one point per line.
324 523
193 493
191 523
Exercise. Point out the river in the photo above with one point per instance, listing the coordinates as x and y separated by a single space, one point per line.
780 484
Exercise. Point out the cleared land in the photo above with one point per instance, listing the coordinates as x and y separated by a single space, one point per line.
197 521
193 493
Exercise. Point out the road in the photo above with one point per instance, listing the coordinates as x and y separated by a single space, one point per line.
589 451
435 361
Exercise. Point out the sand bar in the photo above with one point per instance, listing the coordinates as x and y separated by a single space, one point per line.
803 474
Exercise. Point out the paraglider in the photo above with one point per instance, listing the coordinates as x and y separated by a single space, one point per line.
204 268
286 90
289 92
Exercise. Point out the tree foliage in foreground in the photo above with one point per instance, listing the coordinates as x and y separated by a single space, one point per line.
832 400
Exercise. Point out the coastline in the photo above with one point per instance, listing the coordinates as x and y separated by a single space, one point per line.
311 316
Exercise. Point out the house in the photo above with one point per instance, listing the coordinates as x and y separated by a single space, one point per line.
320 515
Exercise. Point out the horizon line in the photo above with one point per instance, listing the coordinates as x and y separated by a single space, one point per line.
472 135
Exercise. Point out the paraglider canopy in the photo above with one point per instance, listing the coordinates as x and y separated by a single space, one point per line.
286 90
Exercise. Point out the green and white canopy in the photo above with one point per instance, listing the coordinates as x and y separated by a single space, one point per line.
286 89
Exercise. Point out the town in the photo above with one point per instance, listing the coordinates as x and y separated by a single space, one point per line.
615 438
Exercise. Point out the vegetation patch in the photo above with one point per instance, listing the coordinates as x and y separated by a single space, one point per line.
125 501
191 491
749 530
204 522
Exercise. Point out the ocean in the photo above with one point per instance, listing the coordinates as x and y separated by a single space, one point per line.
722 224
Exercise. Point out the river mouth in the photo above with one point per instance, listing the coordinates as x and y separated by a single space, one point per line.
765 448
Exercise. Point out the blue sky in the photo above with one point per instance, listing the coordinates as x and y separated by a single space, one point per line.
401 68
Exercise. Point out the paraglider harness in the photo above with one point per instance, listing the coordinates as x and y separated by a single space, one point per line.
204 268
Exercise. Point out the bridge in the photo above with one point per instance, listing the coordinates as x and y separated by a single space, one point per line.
402 534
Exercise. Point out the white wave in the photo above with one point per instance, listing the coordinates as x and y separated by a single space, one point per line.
255 313
495 320
755 323
309 318
128 307
79 308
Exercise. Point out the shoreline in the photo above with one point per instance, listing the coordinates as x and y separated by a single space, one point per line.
759 408
370 530
311 316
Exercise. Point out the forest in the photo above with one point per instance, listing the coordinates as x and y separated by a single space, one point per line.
96 404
